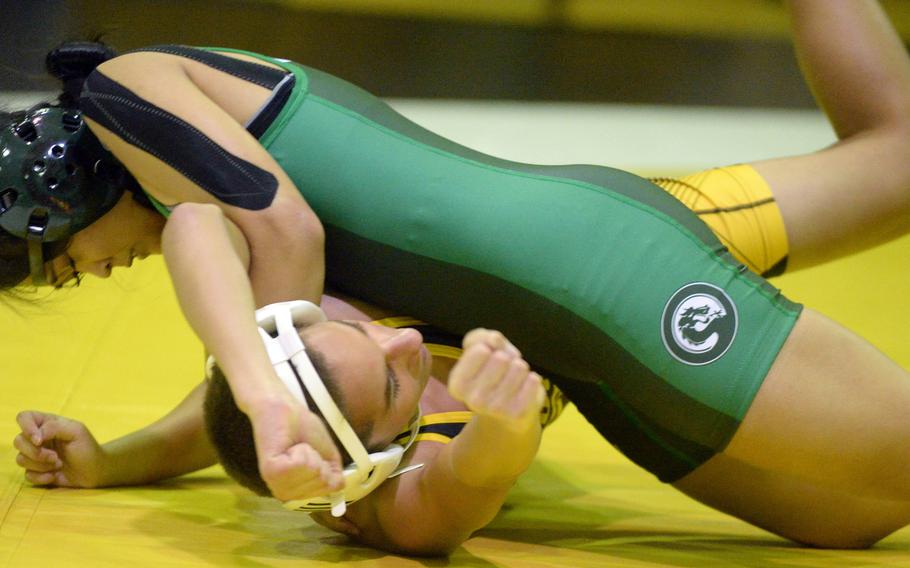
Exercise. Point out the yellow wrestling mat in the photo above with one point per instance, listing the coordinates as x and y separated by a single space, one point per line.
116 355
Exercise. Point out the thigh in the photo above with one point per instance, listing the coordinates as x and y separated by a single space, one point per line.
849 197
823 454
833 410
793 507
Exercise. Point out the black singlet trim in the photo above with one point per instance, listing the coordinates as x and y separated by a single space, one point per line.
732 208
179 144
450 430
270 111
434 335
279 81
262 75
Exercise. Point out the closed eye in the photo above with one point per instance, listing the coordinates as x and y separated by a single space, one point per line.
392 383
69 276
393 379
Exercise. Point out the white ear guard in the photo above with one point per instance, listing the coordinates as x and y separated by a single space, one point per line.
278 326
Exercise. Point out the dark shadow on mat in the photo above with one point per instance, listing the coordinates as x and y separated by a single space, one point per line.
200 517
544 514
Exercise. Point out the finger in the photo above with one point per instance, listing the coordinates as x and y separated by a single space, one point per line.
30 450
504 396
30 422
316 435
330 477
298 474
541 392
472 360
512 381
36 465
532 393
492 338
36 478
59 428
480 389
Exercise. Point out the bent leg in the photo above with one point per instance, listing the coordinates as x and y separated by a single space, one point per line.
830 422
791 507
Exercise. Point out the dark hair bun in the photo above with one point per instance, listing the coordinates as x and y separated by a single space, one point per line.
76 59
71 62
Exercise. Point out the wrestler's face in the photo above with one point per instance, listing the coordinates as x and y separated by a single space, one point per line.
126 232
381 372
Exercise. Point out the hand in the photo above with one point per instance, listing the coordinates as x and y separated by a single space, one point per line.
297 457
493 380
59 451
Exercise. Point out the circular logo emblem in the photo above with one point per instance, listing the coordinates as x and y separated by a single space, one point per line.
699 323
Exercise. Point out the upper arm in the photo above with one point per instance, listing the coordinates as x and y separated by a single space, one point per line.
159 115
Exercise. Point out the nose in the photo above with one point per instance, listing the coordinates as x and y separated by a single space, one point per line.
402 342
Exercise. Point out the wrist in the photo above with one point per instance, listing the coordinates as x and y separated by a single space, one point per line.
107 472
266 402
526 425
260 395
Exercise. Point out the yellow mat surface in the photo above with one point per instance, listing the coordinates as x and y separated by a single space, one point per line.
116 355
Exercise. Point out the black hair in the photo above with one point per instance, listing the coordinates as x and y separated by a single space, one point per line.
231 433
71 63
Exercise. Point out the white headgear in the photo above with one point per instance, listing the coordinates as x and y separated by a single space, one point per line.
278 326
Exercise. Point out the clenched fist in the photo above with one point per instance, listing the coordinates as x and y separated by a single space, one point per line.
492 379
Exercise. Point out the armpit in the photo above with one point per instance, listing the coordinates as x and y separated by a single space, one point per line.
278 81
177 143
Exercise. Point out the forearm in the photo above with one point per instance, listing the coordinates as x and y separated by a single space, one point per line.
487 455
470 481
214 292
174 445
460 489
854 62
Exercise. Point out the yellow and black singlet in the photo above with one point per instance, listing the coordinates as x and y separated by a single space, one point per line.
443 426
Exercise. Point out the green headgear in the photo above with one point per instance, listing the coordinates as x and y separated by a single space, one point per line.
55 179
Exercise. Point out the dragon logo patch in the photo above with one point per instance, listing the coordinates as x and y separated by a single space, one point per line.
699 323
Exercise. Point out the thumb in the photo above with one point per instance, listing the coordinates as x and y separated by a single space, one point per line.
29 422
58 429
316 434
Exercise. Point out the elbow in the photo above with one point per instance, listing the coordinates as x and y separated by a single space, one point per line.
895 143
309 228
296 226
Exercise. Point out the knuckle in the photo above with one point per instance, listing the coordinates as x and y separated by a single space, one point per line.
478 350
497 337
521 366
500 357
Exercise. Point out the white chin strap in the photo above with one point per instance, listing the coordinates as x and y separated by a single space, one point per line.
278 325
